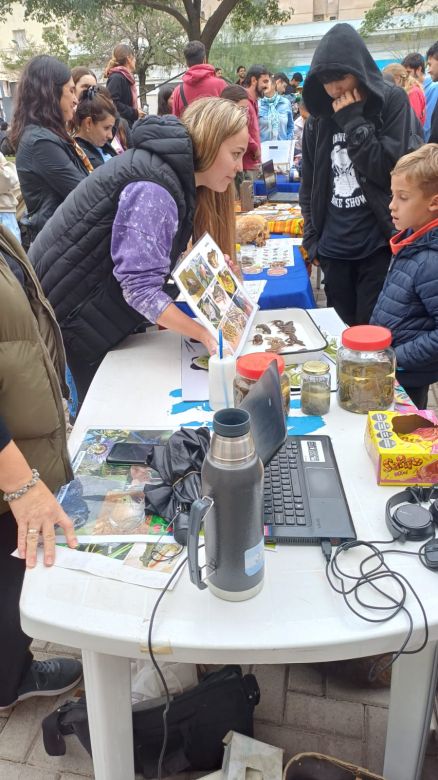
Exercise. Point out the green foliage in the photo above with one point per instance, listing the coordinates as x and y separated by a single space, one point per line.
382 13
233 48
250 14
155 38
246 14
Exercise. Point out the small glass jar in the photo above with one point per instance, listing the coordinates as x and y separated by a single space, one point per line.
249 369
315 387
366 369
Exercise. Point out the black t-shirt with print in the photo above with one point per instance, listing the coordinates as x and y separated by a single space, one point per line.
350 229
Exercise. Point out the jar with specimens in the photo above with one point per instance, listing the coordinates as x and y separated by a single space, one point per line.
249 369
366 369
315 387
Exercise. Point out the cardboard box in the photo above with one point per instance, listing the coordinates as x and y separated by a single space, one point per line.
403 447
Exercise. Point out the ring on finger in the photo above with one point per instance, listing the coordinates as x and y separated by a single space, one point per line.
33 532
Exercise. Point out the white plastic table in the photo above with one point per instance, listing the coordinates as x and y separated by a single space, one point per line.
295 619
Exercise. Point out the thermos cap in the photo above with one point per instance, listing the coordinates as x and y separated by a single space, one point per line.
231 422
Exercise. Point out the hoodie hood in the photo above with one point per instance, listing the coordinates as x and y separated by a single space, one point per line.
342 49
166 137
412 243
198 73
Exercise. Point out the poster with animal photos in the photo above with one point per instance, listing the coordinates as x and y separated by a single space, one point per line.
215 295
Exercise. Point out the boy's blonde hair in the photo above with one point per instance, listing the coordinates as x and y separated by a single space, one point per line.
420 168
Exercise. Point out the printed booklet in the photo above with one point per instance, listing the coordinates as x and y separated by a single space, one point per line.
214 294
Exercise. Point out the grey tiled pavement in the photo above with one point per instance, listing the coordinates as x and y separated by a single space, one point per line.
303 708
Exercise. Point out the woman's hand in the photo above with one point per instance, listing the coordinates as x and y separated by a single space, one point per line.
234 266
36 513
209 341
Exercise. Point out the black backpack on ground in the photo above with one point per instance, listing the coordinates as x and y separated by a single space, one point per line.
198 720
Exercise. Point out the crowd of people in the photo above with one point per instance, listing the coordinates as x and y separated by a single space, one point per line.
113 197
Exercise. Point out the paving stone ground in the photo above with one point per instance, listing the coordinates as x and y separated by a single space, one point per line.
303 708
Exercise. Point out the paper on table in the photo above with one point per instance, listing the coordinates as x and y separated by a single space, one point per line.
194 371
254 288
138 563
277 253
214 294
280 152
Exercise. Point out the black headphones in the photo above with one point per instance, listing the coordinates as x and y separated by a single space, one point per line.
406 519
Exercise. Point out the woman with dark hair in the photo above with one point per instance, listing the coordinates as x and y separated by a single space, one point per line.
237 94
83 78
119 73
47 162
165 102
95 121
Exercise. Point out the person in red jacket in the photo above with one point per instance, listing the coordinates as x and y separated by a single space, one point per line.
198 81
257 81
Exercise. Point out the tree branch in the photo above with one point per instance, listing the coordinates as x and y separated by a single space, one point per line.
216 21
157 6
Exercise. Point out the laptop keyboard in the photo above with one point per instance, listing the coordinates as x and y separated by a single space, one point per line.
283 495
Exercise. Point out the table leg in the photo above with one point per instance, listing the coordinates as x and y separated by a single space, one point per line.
414 679
108 692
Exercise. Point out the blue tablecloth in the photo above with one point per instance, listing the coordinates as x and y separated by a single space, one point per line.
283 185
293 290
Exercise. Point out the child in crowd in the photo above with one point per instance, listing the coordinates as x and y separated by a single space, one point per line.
408 303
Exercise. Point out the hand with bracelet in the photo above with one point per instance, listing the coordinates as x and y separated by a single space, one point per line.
34 507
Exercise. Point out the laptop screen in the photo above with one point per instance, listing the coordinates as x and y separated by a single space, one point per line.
269 176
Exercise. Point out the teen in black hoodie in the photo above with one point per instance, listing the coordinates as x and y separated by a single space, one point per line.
358 129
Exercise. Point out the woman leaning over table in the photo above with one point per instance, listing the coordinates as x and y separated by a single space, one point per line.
33 462
49 163
106 255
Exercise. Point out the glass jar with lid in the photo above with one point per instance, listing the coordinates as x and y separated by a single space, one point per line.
249 368
315 387
366 369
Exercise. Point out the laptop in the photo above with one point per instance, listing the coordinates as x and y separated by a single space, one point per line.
304 499
271 186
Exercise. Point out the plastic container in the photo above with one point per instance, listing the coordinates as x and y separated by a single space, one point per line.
249 369
221 373
366 369
315 387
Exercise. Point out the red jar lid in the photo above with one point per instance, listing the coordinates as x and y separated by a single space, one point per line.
366 337
252 366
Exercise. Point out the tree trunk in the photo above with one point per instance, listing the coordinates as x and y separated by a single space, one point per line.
142 85
216 22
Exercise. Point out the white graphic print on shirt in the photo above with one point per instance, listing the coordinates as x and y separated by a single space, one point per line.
347 193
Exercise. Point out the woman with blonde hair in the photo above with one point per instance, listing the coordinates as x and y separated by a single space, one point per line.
106 256
411 86
119 73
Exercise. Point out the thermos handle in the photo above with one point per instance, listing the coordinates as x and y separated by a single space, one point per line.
198 511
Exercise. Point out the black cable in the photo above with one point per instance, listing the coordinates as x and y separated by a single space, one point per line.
158 670
350 587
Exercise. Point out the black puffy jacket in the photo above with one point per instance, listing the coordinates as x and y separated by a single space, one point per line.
377 131
408 306
48 169
72 254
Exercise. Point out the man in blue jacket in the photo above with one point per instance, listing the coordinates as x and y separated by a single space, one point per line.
408 303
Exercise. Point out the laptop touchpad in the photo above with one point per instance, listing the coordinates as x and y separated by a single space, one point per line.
322 483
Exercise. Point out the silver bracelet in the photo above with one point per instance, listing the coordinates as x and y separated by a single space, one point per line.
8 497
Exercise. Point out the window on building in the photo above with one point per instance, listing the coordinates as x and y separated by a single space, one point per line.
19 38
318 17
333 18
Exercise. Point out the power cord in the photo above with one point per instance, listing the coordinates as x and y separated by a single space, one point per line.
351 586
158 670
157 667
